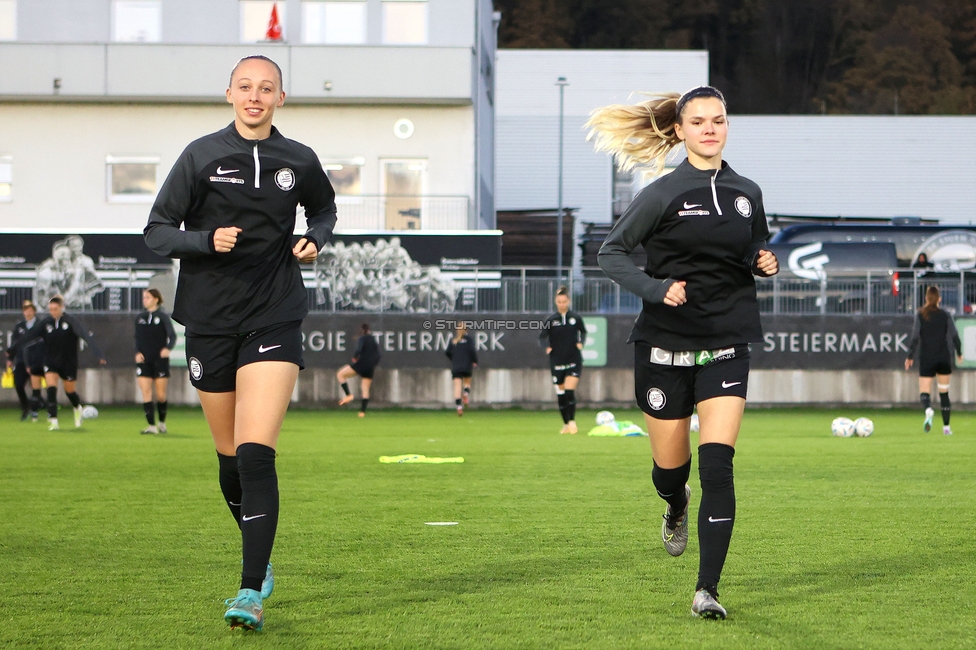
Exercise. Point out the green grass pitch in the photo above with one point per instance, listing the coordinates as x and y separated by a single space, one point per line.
109 539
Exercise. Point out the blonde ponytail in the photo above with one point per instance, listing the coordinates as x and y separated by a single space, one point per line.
638 135
642 135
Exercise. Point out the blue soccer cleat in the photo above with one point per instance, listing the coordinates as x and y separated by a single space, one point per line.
246 611
267 587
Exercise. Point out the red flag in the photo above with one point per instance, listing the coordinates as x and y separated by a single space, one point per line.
274 25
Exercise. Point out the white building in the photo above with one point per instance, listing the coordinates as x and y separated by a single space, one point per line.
807 165
527 120
99 97
859 165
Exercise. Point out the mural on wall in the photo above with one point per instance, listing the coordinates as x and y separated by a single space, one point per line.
68 272
381 276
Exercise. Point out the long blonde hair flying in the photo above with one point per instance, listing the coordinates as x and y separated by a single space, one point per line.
642 135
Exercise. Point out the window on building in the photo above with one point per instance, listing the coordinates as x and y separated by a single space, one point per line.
8 20
404 183
345 175
256 19
404 22
6 179
131 179
334 23
137 21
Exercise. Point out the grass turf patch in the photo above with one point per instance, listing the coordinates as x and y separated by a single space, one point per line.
112 539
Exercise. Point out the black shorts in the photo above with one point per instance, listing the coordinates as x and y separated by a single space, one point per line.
66 371
460 375
668 385
364 371
563 370
213 360
933 367
36 370
153 368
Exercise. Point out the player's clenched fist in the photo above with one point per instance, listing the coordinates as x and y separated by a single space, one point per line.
676 294
767 263
225 239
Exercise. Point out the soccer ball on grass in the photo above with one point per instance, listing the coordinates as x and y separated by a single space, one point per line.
863 427
604 418
842 427
89 412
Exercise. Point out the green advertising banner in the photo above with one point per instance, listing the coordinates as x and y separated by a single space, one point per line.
967 334
595 349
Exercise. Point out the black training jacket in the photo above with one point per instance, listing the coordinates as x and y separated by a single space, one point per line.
367 351
154 331
224 180
705 227
562 333
934 337
60 340
462 354
31 353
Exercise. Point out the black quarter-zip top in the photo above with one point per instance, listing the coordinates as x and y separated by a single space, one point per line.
705 227
223 180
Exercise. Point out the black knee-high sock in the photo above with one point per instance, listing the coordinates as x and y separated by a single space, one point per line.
466 390
570 405
230 484
670 485
345 388
36 401
52 401
363 404
259 510
717 514
561 399
162 410
926 400
457 402
946 407
147 408
74 399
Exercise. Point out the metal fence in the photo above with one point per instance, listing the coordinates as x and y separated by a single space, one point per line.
531 290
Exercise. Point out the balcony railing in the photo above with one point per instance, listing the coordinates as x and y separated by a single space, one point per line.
531 290
376 212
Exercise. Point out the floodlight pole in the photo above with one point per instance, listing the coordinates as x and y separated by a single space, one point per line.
562 83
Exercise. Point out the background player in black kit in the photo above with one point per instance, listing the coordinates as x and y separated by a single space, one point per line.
364 361
704 229
464 359
60 333
241 297
28 365
155 339
935 336
564 337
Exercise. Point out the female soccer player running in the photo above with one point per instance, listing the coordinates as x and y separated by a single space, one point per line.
704 229
937 334
364 362
564 336
155 339
60 333
464 359
241 297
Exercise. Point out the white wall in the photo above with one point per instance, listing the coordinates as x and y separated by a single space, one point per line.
59 150
860 166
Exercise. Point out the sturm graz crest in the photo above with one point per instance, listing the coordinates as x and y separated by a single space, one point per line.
656 399
950 251
743 206
285 179
196 368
